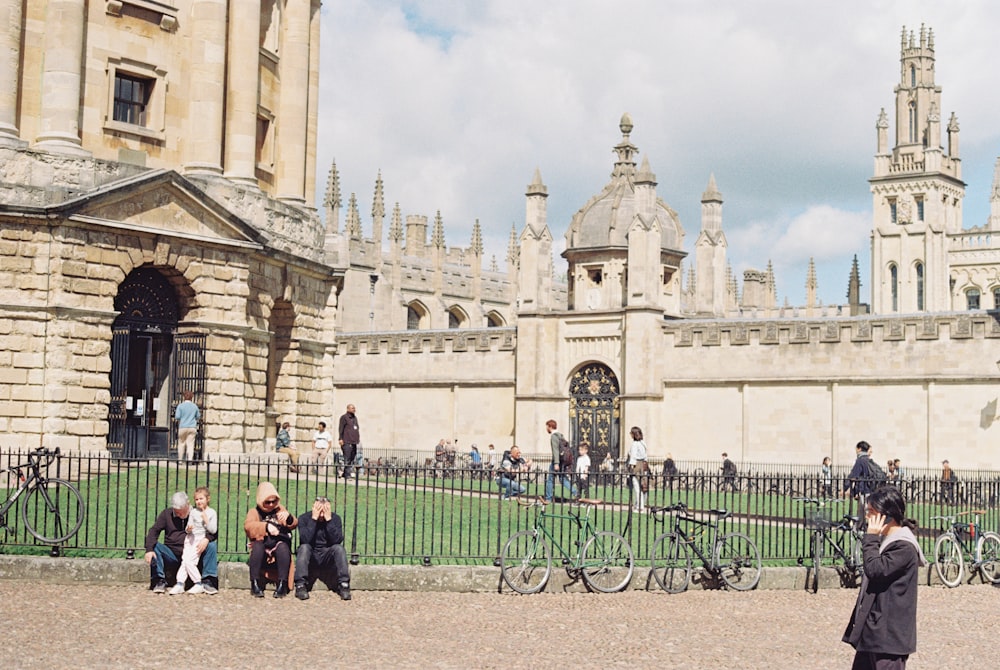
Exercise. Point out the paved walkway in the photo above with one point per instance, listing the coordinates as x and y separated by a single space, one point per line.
126 626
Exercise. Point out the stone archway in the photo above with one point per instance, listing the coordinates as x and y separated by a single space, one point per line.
594 411
151 366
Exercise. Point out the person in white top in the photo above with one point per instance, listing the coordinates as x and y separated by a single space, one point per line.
201 521
321 444
639 467
583 469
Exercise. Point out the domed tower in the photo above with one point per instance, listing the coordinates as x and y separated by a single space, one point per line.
624 246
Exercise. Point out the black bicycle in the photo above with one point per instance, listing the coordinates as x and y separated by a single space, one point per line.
732 557
51 508
834 535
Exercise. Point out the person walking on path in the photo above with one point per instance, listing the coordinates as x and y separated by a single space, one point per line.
349 436
283 445
187 416
558 468
883 625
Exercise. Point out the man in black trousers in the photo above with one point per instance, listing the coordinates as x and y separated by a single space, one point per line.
321 554
349 437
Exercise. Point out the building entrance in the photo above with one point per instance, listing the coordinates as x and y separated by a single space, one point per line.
151 366
594 411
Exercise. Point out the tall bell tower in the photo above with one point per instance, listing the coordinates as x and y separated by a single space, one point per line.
917 190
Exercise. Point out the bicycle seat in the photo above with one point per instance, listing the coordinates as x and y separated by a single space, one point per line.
536 501
590 501
721 513
971 511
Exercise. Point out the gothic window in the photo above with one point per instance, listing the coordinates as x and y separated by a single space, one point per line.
416 316
920 207
996 298
913 76
920 286
913 121
894 286
893 210
972 298
457 318
494 320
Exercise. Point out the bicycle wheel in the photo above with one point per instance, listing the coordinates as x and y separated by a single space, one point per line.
812 580
670 561
737 561
526 562
52 510
607 562
988 556
857 555
948 560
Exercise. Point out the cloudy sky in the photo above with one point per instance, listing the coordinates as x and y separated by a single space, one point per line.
458 102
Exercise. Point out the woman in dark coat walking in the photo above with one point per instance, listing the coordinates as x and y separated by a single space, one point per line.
883 627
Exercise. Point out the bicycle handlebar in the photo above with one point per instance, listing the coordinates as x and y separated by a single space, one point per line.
35 456
819 501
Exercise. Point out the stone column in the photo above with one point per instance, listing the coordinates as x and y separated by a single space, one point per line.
293 105
208 75
313 118
61 77
10 58
241 91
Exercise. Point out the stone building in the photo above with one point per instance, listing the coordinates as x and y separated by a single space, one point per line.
157 234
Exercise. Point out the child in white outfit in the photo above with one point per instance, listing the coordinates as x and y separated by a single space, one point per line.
201 520
583 470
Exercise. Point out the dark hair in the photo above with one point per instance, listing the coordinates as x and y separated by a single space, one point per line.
636 433
864 446
889 501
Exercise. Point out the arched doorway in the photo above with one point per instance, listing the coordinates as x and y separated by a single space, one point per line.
151 366
594 411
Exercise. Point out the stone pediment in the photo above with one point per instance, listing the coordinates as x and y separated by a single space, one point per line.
162 202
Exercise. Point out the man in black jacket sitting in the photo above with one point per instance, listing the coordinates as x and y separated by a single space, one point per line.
321 553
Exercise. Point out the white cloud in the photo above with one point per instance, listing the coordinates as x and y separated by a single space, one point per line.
457 103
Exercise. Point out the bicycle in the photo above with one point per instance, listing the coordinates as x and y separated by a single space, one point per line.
734 557
602 558
51 508
839 535
953 545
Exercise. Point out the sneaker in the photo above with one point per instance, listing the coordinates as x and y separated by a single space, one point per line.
176 589
301 592
161 586
345 592
196 589
209 589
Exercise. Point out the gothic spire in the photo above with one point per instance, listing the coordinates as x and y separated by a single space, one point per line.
331 199
353 219
811 284
512 248
378 202
854 285
477 239
437 237
396 226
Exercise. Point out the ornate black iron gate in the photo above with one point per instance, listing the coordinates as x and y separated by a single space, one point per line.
151 366
594 412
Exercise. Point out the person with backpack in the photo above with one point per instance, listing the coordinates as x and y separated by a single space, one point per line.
863 478
563 461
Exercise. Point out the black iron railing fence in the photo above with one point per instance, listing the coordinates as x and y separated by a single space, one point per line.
399 511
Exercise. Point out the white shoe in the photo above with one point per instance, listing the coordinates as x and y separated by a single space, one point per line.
196 589
177 589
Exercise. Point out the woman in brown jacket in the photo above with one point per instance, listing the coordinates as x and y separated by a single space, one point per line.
269 533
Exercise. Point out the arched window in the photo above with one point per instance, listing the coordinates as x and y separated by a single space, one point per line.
920 286
894 286
913 121
913 76
996 298
416 316
457 317
972 298
494 320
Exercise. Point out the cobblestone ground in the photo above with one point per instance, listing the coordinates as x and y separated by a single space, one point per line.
126 626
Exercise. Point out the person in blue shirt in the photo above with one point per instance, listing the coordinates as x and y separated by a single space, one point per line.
187 415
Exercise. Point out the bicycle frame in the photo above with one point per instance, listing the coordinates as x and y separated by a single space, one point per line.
696 540
585 528
25 482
